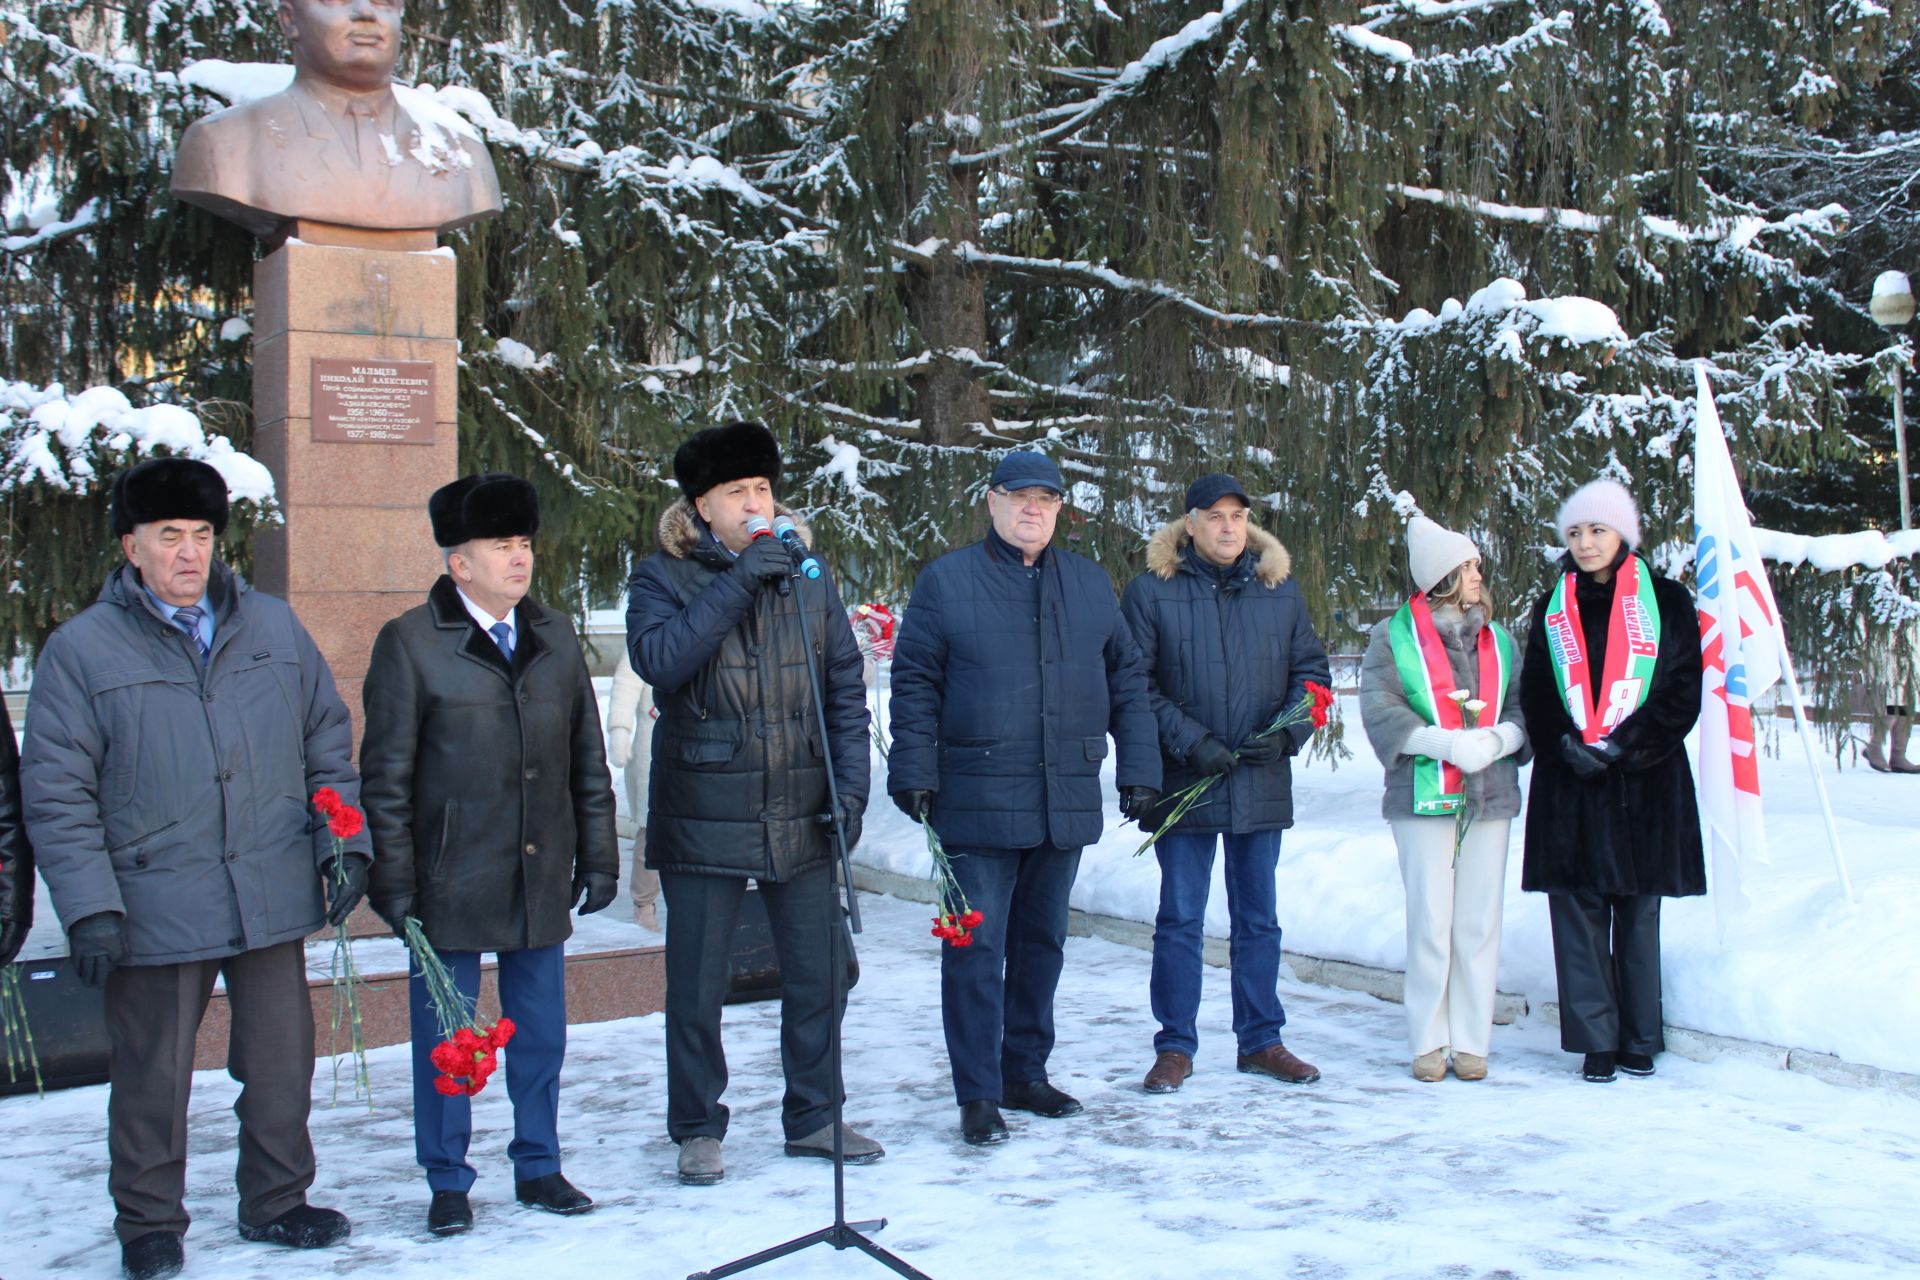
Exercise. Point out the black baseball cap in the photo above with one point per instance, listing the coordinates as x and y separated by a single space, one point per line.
1209 489
1024 469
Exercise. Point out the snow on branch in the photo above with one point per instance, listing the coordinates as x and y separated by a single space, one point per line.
1868 549
85 218
74 442
1737 233
1162 53
1431 10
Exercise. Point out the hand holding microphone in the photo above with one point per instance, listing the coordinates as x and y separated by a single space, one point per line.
764 559
789 535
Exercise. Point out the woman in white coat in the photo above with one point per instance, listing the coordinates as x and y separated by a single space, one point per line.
1440 700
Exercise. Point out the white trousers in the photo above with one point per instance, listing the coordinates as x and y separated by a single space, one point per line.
1453 930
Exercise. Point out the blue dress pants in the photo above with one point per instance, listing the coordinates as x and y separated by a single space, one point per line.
996 996
1186 875
533 992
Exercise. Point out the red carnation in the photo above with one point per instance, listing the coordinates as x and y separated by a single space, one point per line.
502 1032
327 801
964 940
448 1086
972 919
449 1058
345 822
469 1039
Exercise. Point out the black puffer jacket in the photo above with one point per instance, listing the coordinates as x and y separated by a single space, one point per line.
1007 680
16 855
486 788
738 781
1226 649
1636 828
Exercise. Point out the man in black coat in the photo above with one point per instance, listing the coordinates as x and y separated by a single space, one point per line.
1228 646
1012 666
16 855
179 726
487 793
739 785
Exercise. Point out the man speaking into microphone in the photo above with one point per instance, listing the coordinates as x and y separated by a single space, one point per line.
739 784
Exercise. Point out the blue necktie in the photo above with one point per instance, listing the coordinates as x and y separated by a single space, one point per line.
503 636
188 620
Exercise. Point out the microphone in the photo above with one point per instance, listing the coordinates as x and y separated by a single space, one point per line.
784 528
757 527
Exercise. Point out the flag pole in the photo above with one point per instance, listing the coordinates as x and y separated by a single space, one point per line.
1813 765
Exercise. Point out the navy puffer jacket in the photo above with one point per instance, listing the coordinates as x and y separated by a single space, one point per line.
1226 649
1007 680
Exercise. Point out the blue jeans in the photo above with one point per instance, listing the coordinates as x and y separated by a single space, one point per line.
996 996
1186 873
533 992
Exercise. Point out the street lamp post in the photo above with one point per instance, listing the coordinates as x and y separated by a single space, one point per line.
1892 309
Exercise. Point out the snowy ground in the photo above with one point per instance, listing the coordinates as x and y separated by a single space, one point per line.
1708 1170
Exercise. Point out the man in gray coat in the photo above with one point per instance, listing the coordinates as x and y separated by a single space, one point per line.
177 729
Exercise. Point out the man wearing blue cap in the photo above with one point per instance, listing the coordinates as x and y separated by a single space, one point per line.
1012 666
1224 634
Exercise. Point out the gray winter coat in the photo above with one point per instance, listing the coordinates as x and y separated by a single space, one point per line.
180 795
1494 792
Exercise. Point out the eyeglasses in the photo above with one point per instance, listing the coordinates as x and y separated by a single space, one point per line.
1045 499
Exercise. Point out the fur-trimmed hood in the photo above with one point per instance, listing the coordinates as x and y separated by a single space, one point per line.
1168 546
680 527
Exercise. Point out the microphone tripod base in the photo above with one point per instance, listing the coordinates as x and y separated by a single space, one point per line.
841 1235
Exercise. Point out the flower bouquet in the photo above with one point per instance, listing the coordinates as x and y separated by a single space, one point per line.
469 1047
345 822
1316 705
1470 709
16 1037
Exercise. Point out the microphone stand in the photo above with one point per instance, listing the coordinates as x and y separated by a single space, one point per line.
841 1234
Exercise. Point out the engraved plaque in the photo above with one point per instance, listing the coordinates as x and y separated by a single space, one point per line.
372 399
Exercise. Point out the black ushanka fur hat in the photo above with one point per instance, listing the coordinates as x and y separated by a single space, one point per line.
720 454
490 505
169 489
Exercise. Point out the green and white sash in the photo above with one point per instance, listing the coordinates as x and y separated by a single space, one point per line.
1426 675
1633 649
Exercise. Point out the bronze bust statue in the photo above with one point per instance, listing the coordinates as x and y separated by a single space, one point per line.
336 147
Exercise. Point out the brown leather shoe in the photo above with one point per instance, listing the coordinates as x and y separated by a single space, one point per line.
1170 1070
1277 1060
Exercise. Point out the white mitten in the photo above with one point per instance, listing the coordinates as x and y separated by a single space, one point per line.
1475 749
619 747
1512 737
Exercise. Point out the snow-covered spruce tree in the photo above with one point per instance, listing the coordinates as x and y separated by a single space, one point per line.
1452 252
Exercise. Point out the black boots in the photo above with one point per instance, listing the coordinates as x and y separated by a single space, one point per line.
1041 1098
449 1214
153 1256
552 1193
981 1125
1598 1068
301 1227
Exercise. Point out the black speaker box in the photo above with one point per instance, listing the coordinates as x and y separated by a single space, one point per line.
69 1024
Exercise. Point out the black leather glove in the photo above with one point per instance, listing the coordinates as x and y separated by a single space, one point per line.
850 813
395 912
345 889
915 804
597 887
1210 756
1272 749
13 935
98 943
764 560
1138 802
1588 761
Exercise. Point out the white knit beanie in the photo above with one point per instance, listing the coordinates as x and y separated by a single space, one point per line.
1434 552
1604 502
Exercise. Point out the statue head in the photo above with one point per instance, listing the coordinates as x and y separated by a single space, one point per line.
353 44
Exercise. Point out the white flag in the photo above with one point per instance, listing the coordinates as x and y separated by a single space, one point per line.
1740 646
